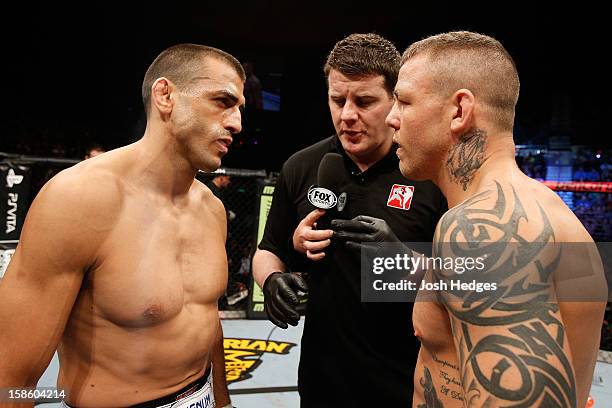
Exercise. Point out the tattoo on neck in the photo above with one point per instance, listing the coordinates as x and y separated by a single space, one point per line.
466 157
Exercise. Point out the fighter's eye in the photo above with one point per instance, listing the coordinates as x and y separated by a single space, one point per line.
226 102
400 101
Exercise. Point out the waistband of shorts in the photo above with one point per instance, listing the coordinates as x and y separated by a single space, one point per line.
169 399
180 394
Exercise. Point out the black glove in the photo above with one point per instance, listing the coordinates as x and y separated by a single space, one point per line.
363 228
281 298
372 237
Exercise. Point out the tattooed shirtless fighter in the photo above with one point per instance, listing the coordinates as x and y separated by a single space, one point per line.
522 345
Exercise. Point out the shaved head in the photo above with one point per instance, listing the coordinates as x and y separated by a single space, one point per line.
477 62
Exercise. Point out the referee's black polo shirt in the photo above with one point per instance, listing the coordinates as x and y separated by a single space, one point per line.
353 353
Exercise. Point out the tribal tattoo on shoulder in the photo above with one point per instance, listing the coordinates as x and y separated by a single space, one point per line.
466 157
510 341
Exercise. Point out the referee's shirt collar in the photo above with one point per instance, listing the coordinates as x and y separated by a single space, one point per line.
388 162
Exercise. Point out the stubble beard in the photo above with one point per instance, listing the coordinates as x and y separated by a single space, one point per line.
208 157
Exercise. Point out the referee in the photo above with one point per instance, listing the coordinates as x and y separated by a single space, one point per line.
353 353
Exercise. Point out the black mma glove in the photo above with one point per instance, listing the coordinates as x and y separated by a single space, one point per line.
363 228
281 298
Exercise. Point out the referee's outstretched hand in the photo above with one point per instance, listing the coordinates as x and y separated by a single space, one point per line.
281 297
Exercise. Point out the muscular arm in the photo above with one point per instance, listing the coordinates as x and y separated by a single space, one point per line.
220 390
264 264
511 342
62 232
217 354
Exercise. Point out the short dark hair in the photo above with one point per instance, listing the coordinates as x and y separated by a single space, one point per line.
178 63
360 55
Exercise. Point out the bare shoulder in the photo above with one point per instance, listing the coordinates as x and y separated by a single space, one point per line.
70 218
524 234
488 215
515 232
207 201
526 211
505 307
86 189
567 226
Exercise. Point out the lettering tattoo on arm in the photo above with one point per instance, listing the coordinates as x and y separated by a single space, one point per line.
511 342
466 157
448 374
450 386
445 364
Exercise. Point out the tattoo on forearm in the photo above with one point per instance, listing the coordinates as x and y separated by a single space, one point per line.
466 157
530 366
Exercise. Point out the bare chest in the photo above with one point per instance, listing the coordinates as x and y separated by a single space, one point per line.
431 321
155 263
437 378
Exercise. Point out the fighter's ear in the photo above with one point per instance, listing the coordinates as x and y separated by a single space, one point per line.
463 111
161 96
